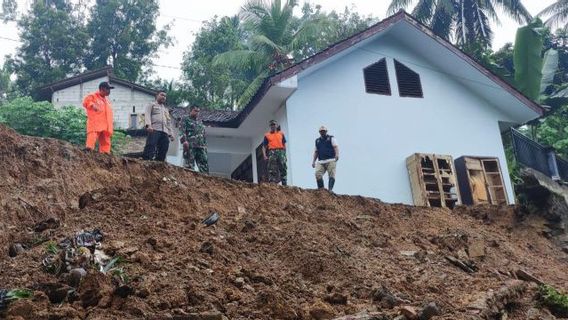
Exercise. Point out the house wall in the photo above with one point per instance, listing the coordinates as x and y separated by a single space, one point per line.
376 133
124 100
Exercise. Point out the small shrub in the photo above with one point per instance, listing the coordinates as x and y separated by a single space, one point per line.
555 301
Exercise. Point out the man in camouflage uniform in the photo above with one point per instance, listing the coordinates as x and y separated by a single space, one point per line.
275 142
194 144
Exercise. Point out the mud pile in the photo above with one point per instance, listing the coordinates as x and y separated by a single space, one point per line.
275 252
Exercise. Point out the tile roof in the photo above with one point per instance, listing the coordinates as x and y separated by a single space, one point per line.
210 117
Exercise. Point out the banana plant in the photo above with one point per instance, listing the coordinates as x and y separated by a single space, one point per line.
534 74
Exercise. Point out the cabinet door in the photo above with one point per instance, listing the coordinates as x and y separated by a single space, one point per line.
478 186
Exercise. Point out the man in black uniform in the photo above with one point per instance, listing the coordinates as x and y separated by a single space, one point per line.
326 154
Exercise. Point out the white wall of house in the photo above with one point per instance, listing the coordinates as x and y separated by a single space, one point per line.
376 133
73 96
125 101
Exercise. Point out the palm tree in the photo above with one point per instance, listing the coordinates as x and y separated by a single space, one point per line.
272 34
465 21
557 13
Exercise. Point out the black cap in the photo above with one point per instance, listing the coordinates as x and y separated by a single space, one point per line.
105 85
271 122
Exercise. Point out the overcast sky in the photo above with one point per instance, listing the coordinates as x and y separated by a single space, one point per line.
187 16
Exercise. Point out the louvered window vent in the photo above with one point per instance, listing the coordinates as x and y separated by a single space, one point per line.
377 78
409 84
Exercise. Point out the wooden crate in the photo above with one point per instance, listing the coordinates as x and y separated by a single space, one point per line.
432 180
481 181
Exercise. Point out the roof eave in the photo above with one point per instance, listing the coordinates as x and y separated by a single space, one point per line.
132 85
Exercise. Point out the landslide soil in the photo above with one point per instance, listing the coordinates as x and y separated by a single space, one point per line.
276 252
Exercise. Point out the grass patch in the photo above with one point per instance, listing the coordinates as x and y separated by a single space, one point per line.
51 247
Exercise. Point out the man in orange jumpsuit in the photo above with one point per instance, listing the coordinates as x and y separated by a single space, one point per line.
99 118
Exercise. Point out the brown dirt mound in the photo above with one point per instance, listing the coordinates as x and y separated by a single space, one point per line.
275 253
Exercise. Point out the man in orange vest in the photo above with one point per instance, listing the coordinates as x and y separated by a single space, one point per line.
275 142
99 118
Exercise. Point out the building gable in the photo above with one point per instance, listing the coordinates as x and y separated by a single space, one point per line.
407 30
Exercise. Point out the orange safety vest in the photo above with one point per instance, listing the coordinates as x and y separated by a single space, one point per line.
98 121
275 140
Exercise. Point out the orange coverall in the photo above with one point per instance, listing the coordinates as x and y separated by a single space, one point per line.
99 123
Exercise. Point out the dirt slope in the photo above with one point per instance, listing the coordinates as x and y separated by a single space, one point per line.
275 253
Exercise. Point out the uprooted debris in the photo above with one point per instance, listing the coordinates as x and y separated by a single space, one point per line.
541 196
492 303
72 259
279 253
82 251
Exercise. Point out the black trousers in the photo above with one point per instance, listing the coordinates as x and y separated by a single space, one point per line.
157 144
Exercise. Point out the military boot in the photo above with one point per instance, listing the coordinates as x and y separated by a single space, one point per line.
330 184
320 183
284 182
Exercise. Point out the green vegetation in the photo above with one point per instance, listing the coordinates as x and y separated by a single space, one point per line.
466 21
42 119
51 247
555 301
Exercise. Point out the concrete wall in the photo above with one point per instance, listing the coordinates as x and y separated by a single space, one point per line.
124 100
376 133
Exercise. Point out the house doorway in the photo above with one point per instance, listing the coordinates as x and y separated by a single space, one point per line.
261 168
244 171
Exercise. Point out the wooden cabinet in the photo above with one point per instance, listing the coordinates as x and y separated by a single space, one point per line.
481 181
433 180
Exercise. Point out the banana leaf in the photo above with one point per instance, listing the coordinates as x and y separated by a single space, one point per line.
528 60
549 68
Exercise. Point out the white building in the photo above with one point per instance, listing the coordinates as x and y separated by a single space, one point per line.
385 93
128 99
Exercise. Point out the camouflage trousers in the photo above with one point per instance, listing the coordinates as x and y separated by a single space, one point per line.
197 156
277 170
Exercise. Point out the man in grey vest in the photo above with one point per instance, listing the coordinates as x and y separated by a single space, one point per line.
158 124
326 154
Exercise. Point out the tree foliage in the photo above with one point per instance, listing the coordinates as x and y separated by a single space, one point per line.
5 84
176 95
265 38
215 85
53 43
466 22
9 10
124 35
59 40
271 36
335 26
556 14
536 46
42 119
553 131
